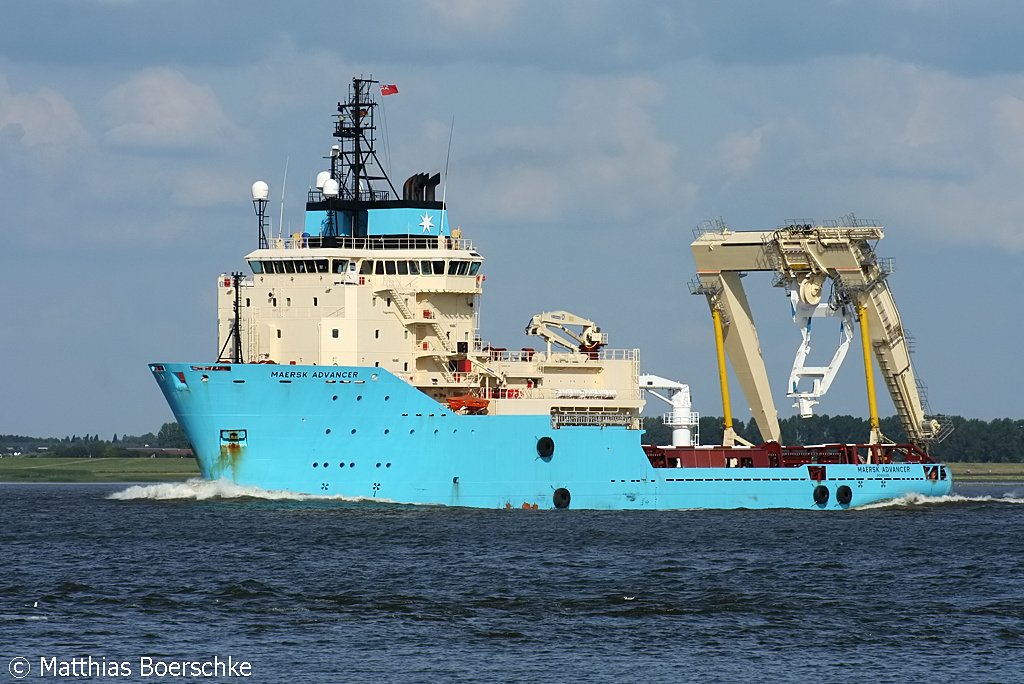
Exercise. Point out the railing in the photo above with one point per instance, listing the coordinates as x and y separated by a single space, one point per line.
297 241
603 419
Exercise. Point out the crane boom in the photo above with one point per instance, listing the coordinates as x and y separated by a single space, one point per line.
555 327
804 257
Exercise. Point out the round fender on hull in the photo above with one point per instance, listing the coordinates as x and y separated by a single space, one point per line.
844 495
561 498
545 447
821 495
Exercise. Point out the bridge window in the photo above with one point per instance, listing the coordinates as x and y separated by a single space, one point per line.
439 268
289 266
321 266
379 268
256 266
300 266
474 268
278 266
403 268
414 268
463 267
339 265
366 268
426 268
453 267
389 267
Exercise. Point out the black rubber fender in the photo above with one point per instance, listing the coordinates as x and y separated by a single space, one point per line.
844 495
545 447
561 498
821 495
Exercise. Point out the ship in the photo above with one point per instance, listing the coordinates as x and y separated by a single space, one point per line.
351 364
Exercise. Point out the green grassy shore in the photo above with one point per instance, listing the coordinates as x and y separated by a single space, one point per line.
48 469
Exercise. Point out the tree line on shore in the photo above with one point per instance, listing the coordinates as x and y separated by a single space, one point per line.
169 436
972 440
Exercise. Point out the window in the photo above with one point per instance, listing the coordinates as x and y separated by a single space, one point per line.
247 301
334 333
414 268
453 267
389 267
321 266
426 269
474 268
387 302
287 301
403 268
379 268
256 266
278 333
376 334
300 266
289 266
438 268
339 266
463 267
315 302
278 266
366 268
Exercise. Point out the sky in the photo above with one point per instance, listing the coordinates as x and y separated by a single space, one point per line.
589 138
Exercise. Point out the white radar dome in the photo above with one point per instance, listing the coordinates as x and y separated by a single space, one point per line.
260 190
321 178
330 188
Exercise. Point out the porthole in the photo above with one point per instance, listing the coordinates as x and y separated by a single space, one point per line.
387 465
378 464
334 398
316 465
353 431
412 432
326 464
351 465
341 465
327 431
359 397
386 431
386 397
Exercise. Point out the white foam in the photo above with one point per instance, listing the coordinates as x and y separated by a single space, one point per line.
200 490
915 499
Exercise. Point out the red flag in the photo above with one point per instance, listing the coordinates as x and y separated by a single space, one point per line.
389 89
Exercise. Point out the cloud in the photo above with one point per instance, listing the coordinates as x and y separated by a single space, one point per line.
40 119
475 14
161 108
598 152
740 151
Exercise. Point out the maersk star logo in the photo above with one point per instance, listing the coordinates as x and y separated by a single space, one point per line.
427 223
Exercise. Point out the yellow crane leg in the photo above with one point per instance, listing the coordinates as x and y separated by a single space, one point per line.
869 373
729 436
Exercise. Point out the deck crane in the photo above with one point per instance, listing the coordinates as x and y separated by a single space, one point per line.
555 327
681 419
803 257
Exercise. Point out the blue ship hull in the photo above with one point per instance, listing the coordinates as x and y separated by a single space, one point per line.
364 433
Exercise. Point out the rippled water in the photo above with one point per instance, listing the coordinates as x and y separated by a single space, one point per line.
326 590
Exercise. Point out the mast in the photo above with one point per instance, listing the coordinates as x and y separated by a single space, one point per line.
354 163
